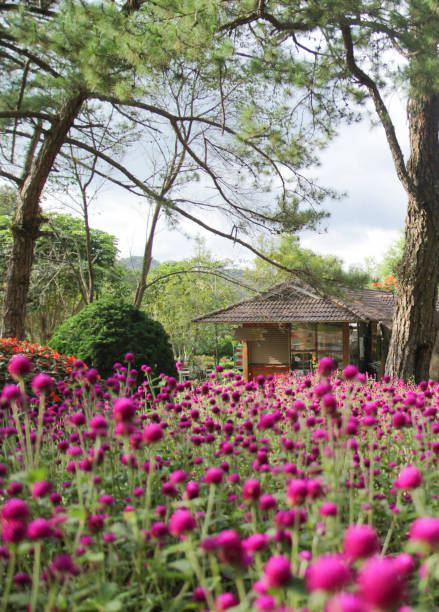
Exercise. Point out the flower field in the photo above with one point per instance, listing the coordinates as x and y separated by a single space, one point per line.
318 493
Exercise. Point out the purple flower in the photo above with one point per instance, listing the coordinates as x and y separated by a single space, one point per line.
345 602
19 366
39 529
360 541
380 583
328 573
425 529
350 372
409 478
277 572
152 433
297 491
251 489
42 383
63 564
326 366
15 510
41 488
225 601
124 410
181 522
11 393
213 476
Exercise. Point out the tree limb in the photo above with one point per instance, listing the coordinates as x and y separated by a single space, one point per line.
380 107
198 271
11 177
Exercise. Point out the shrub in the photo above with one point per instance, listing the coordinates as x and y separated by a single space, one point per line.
103 332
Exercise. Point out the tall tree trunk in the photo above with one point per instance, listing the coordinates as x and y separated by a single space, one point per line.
414 322
28 220
147 257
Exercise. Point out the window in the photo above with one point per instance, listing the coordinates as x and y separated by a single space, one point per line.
330 342
303 346
312 341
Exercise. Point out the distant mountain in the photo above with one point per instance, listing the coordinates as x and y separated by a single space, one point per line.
135 262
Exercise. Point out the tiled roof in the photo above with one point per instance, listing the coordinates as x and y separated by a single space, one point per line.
294 300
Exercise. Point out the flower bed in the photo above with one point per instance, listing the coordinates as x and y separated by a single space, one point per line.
43 358
280 494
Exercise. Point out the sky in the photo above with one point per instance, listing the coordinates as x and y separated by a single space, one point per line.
363 224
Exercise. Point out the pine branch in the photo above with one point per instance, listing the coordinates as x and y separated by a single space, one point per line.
21 114
381 109
31 56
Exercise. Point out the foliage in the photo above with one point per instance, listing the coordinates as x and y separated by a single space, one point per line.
325 271
392 258
43 358
277 494
180 291
390 283
60 266
105 330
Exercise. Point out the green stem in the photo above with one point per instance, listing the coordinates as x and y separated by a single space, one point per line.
240 588
19 431
149 489
295 542
41 409
9 575
198 572
208 511
35 577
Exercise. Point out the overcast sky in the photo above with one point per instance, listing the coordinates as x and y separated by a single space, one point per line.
363 224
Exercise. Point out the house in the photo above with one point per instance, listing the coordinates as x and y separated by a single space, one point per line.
292 325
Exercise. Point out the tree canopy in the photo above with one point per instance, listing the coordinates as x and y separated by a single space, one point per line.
57 282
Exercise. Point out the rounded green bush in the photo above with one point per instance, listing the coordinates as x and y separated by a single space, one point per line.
103 332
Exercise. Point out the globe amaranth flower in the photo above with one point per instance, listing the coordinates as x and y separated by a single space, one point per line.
225 601
328 509
15 510
181 522
277 572
41 488
19 366
124 410
409 478
152 433
345 602
251 489
326 366
297 492
328 573
231 549
380 583
360 541
425 529
42 383
39 529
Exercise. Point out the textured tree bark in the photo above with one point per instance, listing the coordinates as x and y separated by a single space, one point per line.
414 321
28 220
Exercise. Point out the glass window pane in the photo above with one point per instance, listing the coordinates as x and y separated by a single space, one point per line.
329 338
303 337
303 361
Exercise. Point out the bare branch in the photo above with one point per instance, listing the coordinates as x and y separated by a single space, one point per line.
196 270
11 177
